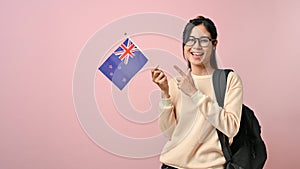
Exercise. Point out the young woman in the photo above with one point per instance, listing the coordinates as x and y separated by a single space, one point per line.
190 113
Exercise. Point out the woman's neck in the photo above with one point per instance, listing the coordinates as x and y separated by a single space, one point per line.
201 70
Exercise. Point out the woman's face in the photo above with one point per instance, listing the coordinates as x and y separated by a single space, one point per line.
199 53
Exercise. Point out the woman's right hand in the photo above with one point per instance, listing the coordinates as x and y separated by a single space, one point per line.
159 78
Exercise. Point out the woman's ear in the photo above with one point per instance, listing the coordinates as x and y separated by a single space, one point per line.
215 44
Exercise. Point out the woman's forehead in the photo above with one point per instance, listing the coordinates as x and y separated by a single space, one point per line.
199 31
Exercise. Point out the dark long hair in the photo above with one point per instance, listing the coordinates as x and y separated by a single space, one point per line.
210 27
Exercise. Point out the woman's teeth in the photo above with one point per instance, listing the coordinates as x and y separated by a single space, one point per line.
197 53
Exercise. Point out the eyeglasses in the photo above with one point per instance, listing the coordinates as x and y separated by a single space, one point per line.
203 41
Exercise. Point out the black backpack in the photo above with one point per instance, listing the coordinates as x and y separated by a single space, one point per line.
248 150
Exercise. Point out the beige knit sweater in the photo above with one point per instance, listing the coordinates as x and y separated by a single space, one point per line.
190 123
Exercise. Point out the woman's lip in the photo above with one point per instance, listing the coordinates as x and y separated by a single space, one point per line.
196 56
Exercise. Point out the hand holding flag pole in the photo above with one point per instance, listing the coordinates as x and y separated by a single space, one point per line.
159 78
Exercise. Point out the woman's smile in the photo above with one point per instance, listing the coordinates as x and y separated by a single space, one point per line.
197 55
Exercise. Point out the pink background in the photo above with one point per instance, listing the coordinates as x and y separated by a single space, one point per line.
41 40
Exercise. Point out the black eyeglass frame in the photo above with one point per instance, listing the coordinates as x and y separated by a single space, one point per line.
199 41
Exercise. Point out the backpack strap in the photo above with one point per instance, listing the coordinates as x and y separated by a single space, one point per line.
220 83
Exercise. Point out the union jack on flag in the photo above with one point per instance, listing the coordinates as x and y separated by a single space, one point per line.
126 50
123 63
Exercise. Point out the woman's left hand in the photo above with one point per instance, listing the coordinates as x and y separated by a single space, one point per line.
185 82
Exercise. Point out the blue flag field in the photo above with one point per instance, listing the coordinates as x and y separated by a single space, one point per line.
121 66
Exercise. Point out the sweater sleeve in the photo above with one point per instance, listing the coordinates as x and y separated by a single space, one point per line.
167 118
226 119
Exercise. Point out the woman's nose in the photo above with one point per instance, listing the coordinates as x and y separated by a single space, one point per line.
197 45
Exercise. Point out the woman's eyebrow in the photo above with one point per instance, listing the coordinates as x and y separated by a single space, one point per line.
200 36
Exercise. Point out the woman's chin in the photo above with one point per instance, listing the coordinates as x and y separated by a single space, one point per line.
196 60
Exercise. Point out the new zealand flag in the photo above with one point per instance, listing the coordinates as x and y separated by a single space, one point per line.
123 63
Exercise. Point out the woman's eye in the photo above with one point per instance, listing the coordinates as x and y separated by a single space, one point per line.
204 40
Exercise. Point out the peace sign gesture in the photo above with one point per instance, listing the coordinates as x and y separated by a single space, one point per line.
185 82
